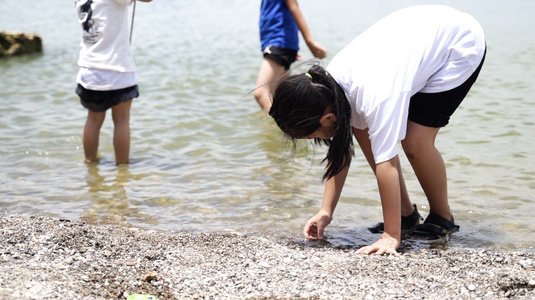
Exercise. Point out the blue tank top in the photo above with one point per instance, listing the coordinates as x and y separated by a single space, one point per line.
277 25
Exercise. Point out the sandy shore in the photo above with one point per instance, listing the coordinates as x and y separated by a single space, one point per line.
44 258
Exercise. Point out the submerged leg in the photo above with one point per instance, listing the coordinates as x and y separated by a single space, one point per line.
121 134
91 134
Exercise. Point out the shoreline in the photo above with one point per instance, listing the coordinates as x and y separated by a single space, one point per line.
47 258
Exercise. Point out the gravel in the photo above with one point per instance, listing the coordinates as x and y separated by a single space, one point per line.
46 258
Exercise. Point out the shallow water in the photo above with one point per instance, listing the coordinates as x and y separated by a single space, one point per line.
205 159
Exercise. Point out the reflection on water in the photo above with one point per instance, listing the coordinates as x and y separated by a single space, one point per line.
205 159
109 198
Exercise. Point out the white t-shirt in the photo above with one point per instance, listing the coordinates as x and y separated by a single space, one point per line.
105 59
427 49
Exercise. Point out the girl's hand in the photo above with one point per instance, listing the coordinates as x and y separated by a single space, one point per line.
317 50
315 226
385 245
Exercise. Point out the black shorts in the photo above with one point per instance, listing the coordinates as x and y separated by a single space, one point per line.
435 109
102 100
285 57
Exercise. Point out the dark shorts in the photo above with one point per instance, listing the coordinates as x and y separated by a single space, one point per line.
285 57
102 100
435 109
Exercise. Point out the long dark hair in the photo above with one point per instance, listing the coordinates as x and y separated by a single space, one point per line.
298 104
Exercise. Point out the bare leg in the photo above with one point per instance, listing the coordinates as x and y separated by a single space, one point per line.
121 133
406 204
265 84
91 134
428 165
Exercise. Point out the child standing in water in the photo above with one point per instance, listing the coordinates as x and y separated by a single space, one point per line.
400 80
280 21
107 75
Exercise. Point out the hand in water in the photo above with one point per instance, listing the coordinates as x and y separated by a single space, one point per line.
315 226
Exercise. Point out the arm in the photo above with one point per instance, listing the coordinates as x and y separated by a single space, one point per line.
388 180
316 49
363 138
387 175
315 226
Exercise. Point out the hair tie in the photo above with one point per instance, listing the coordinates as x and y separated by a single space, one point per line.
308 75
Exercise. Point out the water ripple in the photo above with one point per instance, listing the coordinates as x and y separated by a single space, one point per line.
205 159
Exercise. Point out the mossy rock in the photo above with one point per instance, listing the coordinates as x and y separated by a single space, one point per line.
17 43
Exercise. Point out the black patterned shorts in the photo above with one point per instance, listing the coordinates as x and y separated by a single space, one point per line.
102 100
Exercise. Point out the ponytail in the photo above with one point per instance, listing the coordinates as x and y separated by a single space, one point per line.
301 100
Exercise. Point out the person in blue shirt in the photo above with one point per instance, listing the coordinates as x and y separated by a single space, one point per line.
280 22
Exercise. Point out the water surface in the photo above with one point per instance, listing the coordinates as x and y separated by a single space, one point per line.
205 159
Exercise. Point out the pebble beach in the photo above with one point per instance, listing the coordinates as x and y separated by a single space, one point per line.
47 258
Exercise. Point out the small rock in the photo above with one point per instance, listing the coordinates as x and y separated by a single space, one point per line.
526 263
150 276
16 43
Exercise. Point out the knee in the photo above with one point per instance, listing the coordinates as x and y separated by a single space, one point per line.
411 147
121 121
95 119
263 97
418 148
121 117
260 93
